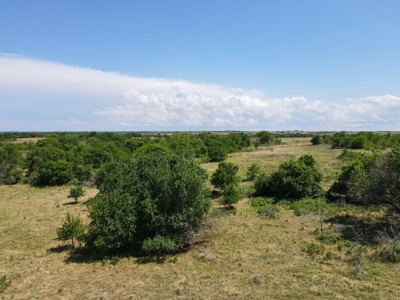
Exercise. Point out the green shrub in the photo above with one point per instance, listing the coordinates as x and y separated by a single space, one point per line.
261 201
294 179
231 195
72 228
328 237
314 248
225 175
154 204
4 283
76 192
385 254
159 244
252 171
269 210
309 206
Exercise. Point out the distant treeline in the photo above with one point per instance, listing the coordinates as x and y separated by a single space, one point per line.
62 157
361 140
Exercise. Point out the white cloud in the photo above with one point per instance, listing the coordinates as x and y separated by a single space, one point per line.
95 98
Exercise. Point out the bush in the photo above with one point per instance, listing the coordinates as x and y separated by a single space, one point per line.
309 206
225 175
261 201
269 210
71 228
252 171
294 179
154 204
231 195
314 248
76 192
4 283
329 237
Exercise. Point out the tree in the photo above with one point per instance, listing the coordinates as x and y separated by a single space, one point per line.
294 179
225 175
252 171
317 140
380 184
76 192
155 204
71 228
264 136
231 195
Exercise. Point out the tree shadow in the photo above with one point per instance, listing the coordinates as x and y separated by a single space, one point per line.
82 255
358 228
60 248
71 203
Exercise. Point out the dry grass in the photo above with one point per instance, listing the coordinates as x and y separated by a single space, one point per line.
244 257
269 158
26 140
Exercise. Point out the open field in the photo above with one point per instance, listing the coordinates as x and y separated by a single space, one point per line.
243 256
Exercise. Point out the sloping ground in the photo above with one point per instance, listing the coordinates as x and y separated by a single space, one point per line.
242 256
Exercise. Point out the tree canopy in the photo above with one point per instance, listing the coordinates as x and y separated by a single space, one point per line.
155 203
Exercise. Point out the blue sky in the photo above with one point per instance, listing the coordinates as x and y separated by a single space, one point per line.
199 65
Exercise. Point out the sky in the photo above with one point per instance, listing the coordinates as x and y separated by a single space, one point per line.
199 65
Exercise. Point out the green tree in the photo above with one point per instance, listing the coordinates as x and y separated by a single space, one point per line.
294 179
155 204
379 184
76 192
231 195
264 136
252 171
72 228
225 175
317 140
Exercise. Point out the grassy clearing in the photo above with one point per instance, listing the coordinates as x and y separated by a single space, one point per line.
269 158
244 256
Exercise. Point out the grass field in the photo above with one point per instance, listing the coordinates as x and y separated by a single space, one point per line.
243 256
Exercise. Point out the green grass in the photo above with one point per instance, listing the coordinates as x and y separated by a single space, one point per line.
242 255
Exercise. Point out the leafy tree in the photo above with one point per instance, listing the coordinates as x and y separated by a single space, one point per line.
155 204
180 144
356 167
252 171
294 179
76 192
72 228
151 148
380 184
317 140
264 136
231 195
225 175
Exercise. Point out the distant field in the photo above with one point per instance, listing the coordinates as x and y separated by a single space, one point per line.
23 140
243 256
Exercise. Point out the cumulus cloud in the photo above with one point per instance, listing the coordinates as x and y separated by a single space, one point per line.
91 98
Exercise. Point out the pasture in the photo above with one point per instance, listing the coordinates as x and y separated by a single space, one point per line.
241 256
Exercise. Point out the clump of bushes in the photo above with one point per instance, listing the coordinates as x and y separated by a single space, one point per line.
155 204
294 179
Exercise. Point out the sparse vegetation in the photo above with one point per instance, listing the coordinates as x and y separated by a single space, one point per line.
242 256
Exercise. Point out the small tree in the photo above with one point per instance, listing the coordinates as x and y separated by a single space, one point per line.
252 171
264 136
76 192
71 228
231 195
225 175
294 179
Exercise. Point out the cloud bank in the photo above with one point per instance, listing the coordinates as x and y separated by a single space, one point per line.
67 97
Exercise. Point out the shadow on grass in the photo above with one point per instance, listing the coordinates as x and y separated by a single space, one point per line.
60 248
71 203
82 255
224 211
358 228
